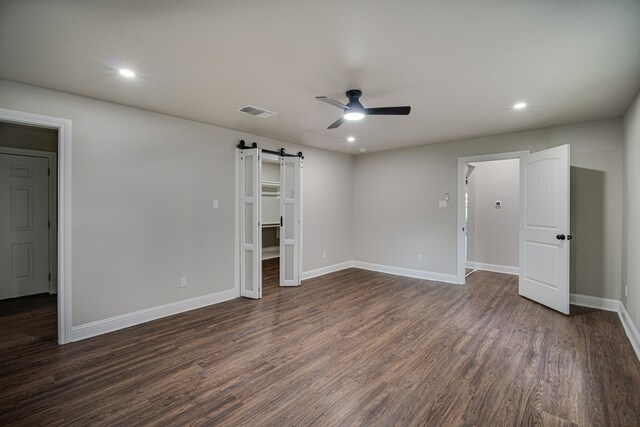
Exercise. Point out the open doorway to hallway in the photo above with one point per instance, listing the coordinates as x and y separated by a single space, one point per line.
28 233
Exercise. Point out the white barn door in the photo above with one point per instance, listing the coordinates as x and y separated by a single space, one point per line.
544 228
290 220
250 231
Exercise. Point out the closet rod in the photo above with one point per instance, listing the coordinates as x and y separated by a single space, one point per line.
280 153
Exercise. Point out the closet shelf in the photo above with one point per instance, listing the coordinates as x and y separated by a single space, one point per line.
270 184
271 224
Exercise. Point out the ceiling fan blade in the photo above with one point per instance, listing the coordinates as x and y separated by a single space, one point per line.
331 102
388 111
336 123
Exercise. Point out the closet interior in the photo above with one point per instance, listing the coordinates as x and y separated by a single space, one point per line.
270 221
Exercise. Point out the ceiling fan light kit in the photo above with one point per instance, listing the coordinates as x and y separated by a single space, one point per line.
354 110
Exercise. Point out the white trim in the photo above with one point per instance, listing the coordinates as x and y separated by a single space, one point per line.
617 306
607 304
408 272
111 324
630 329
63 127
461 190
326 270
236 211
506 269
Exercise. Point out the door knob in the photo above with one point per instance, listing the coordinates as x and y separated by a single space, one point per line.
569 237
560 237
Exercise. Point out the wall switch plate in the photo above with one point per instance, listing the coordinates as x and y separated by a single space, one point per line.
183 282
215 204
442 203
324 254
420 258
626 289
446 196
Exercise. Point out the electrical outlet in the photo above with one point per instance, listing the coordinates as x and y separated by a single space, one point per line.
324 254
183 282
420 258
442 203
216 205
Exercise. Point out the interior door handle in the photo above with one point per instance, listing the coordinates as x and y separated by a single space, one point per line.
561 237
569 237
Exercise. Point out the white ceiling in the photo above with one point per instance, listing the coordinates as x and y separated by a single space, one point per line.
461 65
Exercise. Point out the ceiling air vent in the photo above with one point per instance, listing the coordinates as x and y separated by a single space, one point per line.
256 111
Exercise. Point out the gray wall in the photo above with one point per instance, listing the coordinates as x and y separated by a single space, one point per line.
142 189
142 185
396 193
631 244
492 234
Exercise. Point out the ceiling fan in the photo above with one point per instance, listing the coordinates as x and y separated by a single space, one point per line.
354 110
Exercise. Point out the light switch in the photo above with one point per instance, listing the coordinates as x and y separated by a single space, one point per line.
498 204
215 204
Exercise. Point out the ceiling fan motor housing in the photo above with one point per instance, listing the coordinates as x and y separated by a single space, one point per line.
354 103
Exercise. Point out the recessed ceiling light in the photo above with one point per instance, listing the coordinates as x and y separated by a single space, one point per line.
363 149
351 139
126 73
519 105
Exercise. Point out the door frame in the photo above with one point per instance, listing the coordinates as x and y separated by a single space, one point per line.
63 126
51 190
461 192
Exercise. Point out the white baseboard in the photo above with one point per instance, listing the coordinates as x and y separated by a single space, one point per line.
111 324
506 269
630 329
609 304
326 270
408 272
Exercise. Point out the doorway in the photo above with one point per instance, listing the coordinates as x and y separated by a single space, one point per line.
467 177
269 189
492 216
544 223
63 230
28 231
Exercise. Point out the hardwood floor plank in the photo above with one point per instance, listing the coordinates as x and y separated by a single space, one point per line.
353 347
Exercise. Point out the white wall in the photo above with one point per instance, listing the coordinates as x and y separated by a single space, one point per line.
631 244
396 193
142 189
492 233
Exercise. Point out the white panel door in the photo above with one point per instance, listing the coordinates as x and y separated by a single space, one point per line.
250 232
290 220
544 228
24 232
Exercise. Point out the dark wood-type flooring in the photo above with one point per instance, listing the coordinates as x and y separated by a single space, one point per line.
349 348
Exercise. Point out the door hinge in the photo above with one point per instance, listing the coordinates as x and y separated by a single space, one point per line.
48 224
49 276
49 172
